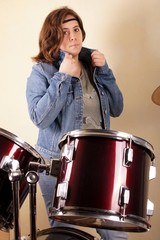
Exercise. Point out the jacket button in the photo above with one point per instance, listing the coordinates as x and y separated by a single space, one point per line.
102 93
105 112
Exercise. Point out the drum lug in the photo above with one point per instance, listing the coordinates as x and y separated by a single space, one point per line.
128 155
124 198
150 208
68 152
152 172
62 190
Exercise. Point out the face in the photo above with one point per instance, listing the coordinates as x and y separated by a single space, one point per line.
72 41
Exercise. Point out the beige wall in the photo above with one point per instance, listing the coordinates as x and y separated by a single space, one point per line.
128 32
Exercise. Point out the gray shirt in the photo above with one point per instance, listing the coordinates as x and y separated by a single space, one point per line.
92 118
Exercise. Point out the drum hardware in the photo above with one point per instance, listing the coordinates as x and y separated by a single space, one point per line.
128 155
32 178
12 166
62 190
124 199
61 194
150 208
7 164
53 168
150 205
68 152
152 172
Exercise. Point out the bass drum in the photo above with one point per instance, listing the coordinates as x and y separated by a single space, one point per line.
103 181
63 233
14 148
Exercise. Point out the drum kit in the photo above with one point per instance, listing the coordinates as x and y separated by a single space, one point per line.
102 182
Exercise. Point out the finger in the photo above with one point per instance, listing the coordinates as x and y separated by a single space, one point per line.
95 53
98 62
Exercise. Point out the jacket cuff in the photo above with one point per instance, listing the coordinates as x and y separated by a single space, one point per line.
103 70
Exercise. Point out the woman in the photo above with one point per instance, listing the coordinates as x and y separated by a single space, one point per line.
70 87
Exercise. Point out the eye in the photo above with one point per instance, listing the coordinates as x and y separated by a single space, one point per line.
76 29
65 33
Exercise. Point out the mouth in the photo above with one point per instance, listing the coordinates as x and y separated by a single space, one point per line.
74 46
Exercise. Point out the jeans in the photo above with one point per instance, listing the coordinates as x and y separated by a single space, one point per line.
47 186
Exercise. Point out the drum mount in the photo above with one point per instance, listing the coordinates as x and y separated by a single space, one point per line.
12 167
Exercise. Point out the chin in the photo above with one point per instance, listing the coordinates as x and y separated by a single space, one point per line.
75 54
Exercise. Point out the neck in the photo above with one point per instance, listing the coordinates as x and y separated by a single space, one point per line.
76 58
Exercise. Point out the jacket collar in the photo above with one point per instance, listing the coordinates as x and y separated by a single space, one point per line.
84 55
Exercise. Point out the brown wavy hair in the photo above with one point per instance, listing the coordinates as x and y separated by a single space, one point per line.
51 35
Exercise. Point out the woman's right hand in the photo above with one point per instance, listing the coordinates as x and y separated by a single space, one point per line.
70 66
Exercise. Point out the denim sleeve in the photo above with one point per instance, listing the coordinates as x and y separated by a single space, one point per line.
46 97
105 77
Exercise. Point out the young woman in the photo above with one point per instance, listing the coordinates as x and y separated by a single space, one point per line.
70 87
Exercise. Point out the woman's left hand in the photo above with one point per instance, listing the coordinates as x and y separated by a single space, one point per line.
98 59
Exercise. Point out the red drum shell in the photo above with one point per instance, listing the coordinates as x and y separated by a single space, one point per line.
95 177
12 146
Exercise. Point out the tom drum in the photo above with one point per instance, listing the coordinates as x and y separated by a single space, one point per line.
103 182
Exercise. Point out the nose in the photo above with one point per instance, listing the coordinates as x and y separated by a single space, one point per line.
72 36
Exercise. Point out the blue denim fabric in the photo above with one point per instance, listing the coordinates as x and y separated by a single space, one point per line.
55 101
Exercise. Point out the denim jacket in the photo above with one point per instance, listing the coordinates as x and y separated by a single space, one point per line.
55 101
